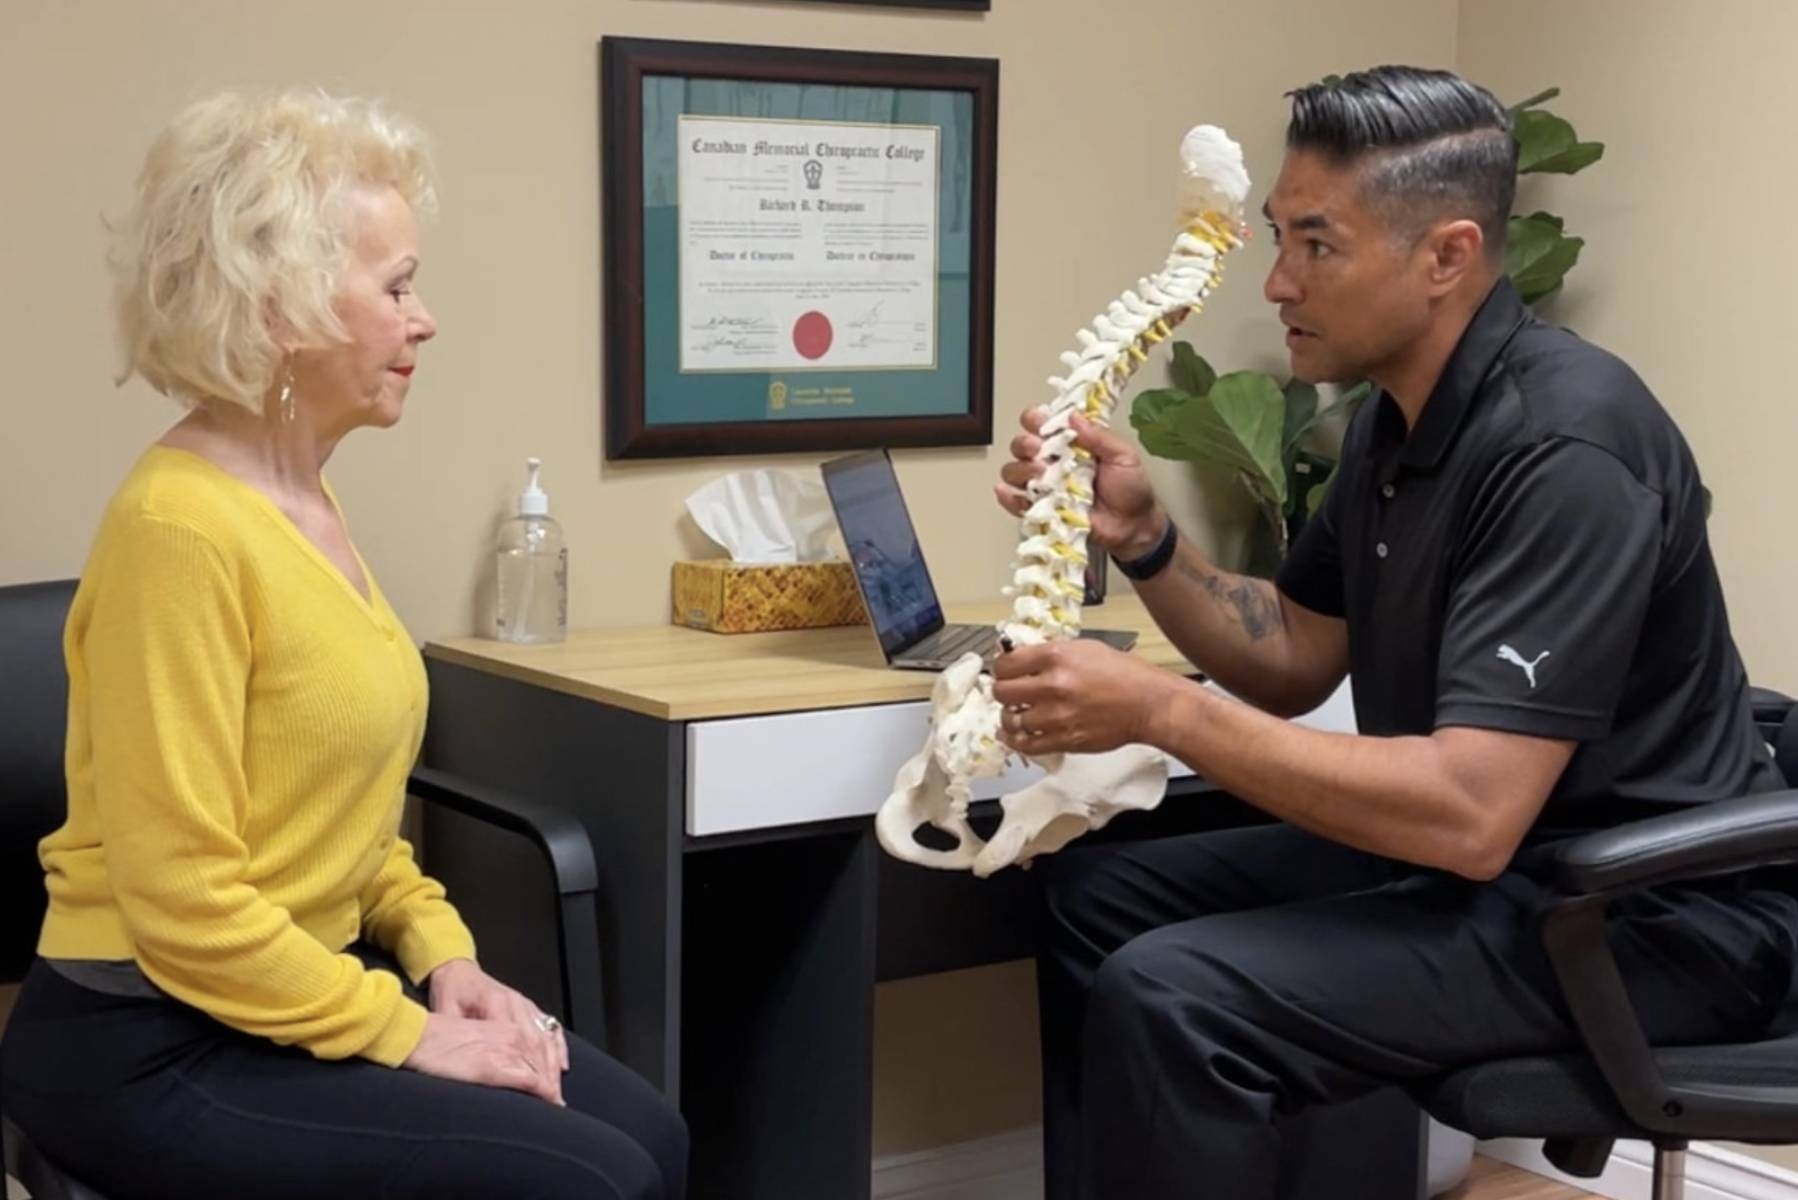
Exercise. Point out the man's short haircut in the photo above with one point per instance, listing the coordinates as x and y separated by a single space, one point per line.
1432 146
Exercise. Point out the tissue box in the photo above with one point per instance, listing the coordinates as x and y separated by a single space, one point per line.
732 597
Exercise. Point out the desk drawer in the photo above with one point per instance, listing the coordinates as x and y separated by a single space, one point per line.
791 768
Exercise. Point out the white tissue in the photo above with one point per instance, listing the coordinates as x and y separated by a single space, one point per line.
766 517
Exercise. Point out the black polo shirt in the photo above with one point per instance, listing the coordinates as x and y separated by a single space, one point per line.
1533 558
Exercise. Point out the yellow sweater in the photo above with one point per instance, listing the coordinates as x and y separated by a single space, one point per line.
241 725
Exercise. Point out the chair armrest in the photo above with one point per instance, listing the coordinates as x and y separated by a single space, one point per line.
1711 839
564 842
1707 839
1769 707
561 837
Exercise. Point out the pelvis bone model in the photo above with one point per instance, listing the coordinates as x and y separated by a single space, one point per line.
1080 791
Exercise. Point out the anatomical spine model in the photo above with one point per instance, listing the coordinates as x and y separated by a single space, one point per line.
1080 791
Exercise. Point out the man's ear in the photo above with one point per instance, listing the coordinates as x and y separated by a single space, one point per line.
1456 248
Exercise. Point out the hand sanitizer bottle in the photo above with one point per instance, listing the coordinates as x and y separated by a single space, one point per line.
533 570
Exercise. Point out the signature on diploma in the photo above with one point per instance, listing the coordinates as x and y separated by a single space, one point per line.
867 318
868 339
741 324
731 341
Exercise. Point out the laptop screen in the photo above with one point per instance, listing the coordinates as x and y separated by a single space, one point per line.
883 549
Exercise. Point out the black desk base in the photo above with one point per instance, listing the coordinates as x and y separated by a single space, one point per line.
740 969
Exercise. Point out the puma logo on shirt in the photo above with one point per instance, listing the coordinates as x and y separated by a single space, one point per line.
1528 665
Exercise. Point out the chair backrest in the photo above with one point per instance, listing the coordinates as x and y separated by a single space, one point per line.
1785 746
1777 716
34 703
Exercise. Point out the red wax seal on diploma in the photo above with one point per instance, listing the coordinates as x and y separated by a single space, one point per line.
812 334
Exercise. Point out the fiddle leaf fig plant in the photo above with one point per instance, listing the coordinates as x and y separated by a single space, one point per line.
1538 250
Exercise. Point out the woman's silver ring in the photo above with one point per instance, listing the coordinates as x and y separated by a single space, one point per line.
547 1023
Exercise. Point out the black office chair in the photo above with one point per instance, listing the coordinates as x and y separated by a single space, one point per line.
1622 1087
461 828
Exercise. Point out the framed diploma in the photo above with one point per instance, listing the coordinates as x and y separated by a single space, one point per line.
799 249
965 5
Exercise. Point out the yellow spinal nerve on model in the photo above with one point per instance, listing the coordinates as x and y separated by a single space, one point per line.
1080 792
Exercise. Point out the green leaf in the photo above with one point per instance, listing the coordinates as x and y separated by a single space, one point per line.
1189 372
1301 418
1304 470
1301 411
1238 424
1547 144
1346 403
1542 97
1153 406
1354 397
1315 497
1571 161
1152 415
1539 135
1538 255
1163 442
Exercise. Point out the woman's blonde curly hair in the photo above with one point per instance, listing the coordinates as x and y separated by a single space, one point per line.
239 233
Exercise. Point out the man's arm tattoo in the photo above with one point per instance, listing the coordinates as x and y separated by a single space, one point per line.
1252 601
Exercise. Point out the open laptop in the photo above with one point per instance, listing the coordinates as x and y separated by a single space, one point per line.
889 569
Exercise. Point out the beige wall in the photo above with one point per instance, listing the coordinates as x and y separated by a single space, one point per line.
956 1057
1688 267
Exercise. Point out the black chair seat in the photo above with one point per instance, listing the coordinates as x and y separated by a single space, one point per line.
1564 1095
42 1179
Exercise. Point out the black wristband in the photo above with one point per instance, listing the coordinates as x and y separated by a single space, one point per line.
1155 561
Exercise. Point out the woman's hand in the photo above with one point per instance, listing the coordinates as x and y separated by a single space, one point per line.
1126 521
461 989
493 1053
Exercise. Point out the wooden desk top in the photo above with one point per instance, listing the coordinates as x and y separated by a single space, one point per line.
681 674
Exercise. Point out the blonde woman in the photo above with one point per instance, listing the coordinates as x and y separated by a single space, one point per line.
247 988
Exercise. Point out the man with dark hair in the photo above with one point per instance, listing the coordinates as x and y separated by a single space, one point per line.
1512 569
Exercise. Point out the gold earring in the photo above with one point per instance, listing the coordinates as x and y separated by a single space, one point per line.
287 397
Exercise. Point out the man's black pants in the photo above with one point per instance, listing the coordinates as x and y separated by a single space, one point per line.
1195 990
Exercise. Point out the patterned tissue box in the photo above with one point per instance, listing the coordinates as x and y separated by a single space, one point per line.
730 597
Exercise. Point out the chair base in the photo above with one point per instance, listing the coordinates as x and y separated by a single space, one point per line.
1669 1172
1582 1156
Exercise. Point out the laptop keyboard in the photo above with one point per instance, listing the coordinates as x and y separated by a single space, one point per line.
952 641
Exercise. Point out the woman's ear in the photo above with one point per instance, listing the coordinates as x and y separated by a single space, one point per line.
280 330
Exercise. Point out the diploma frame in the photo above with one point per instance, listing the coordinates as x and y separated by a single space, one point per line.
625 63
962 5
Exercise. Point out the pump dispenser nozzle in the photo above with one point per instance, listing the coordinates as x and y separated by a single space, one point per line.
533 501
